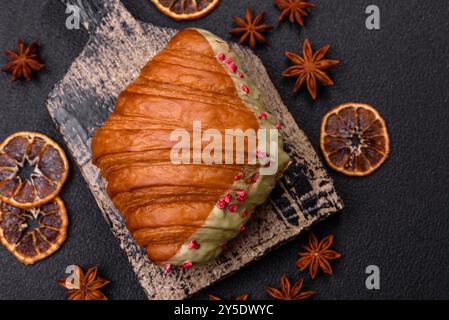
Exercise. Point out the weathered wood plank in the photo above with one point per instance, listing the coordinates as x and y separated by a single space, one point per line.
119 46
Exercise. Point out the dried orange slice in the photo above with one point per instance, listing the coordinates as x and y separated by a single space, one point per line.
186 9
354 139
33 234
33 169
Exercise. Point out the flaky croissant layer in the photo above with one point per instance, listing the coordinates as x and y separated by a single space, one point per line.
183 214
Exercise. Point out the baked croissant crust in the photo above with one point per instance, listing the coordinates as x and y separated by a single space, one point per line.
183 213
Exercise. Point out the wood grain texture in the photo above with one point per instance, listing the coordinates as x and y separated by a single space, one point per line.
119 46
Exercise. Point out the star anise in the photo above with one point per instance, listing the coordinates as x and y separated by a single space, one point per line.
317 255
24 62
294 10
85 286
310 68
241 297
287 292
251 29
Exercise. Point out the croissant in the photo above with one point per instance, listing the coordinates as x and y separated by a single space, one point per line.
183 213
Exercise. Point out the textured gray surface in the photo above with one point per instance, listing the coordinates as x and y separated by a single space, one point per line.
396 218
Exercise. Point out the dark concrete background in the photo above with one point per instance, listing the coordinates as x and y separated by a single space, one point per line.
396 218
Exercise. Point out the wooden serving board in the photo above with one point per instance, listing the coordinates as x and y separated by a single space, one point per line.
119 46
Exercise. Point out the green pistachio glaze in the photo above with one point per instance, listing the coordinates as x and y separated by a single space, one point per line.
222 225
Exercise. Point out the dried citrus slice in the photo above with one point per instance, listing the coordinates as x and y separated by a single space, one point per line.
354 139
33 169
186 9
33 234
